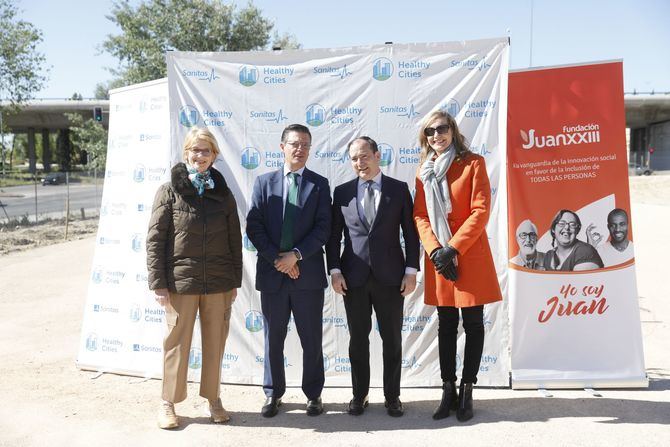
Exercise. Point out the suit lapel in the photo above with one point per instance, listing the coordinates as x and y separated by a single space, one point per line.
306 186
277 189
384 200
351 199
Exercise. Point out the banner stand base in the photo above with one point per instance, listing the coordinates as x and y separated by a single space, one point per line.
567 384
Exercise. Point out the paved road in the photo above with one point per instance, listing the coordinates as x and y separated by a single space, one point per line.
18 201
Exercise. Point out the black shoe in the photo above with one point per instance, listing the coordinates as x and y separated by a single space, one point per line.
314 407
358 406
464 412
270 407
449 401
394 407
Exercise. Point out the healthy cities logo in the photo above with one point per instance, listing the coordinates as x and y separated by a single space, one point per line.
138 173
248 75
452 107
253 321
188 116
386 151
195 358
250 158
315 115
382 69
247 243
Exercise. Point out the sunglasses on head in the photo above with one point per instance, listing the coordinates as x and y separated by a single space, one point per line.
430 131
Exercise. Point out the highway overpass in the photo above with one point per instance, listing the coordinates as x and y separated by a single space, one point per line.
647 117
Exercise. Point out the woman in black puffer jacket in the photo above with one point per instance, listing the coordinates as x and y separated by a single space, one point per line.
194 258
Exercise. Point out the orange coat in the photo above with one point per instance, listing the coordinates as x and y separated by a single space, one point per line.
470 193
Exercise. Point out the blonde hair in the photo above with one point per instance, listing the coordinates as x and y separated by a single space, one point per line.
459 141
200 134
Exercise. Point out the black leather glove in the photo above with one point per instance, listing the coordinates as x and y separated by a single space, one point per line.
443 259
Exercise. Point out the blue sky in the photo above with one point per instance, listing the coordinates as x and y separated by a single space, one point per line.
564 32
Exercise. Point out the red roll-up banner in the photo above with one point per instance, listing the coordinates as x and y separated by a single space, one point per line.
572 291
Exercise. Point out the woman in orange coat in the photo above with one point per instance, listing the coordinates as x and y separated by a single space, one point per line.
451 209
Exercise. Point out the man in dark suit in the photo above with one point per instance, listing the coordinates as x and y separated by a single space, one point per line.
289 222
372 271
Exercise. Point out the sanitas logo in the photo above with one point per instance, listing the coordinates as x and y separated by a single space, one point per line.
144 137
386 152
253 321
268 115
188 116
335 72
408 112
471 64
481 150
315 115
248 75
571 135
107 309
201 75
108 241
250 158
382 69
452 107
333 156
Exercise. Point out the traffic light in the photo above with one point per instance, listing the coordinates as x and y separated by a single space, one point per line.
97 114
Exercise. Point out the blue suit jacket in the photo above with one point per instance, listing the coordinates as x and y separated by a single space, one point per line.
376 250
310 232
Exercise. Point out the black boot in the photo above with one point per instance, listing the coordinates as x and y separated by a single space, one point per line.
449 401
464 412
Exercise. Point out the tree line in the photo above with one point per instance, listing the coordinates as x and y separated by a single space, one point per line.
148 29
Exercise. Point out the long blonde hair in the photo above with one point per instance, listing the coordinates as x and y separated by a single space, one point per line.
203 134
459 141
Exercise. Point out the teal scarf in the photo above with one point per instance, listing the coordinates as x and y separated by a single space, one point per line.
200 181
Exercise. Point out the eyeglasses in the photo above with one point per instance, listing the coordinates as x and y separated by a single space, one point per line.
531 235
299 145
203 152
430 131
563 224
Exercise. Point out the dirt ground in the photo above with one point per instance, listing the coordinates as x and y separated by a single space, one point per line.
19 237
48 401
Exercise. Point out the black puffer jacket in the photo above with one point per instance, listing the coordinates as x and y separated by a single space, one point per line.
194 244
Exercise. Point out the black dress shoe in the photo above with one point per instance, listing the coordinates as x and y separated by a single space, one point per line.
314 407
358 406
394 407
270 408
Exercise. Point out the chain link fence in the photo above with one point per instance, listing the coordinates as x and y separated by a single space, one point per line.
47 208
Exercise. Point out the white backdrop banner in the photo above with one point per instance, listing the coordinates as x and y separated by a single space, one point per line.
246 99
122 330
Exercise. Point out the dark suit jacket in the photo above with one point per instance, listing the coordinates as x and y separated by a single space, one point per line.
377 250
310 232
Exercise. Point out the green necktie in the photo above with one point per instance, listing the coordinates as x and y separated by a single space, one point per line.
286 243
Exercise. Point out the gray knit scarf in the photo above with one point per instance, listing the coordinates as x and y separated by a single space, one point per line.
433 174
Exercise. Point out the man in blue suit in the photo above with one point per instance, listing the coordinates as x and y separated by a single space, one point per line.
373 271
289 222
